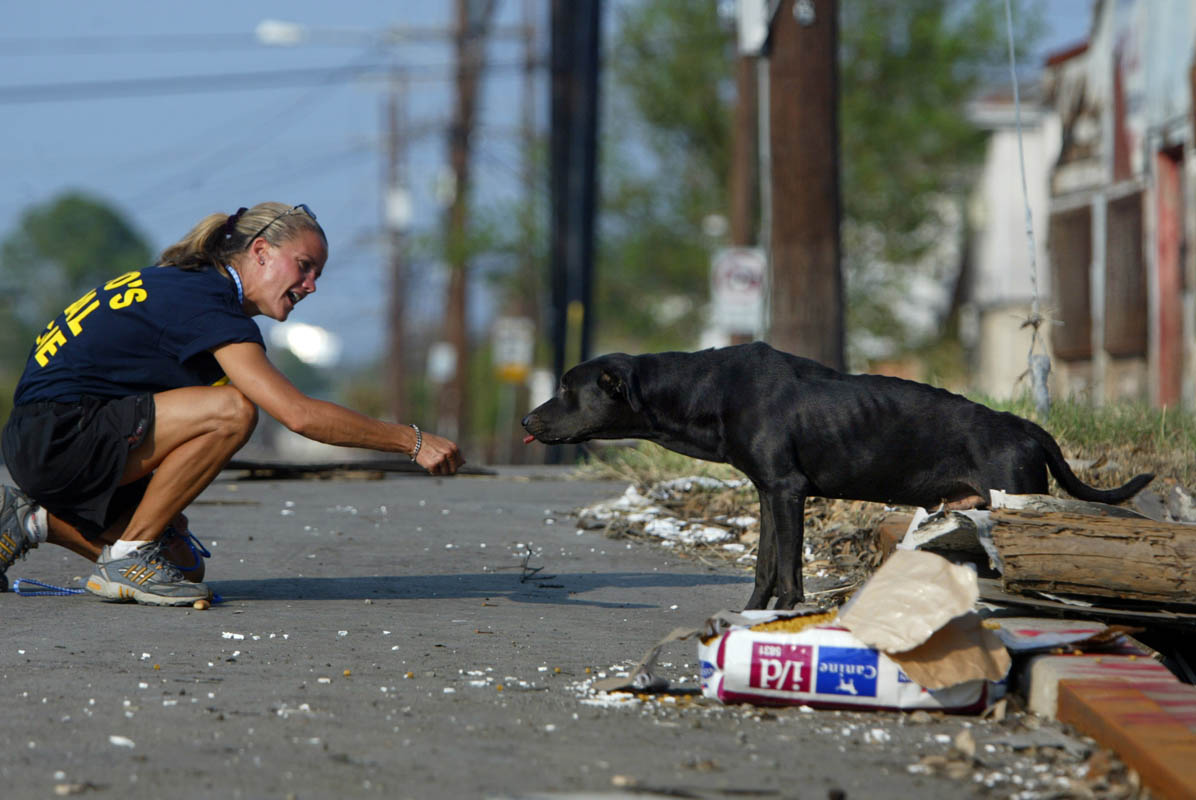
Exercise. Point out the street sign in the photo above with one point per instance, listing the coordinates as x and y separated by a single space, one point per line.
737 290
514 342
442 362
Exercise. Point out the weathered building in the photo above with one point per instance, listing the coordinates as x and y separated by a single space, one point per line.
1121 206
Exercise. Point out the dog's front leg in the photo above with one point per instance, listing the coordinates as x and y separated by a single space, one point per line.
766 555
789 510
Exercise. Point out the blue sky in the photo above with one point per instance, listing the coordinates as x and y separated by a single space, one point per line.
166 158
307 128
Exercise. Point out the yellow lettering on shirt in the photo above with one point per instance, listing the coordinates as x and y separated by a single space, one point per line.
79 309
121 280
53 337
129 297
48 344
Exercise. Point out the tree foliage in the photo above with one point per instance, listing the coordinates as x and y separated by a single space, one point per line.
665 159
63 248
907 68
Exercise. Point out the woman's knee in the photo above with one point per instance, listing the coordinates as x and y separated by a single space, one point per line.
238 412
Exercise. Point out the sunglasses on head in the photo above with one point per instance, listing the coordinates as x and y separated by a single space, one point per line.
304 207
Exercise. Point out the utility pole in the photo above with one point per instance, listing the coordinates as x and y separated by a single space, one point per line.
396 212
576 29
807 284
576 32
743 175
527 132
473 20
742 179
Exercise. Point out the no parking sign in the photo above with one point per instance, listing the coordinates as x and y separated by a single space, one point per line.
737 290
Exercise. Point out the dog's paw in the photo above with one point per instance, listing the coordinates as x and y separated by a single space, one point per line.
790 600
758 600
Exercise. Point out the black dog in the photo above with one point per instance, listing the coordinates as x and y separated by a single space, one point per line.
799 429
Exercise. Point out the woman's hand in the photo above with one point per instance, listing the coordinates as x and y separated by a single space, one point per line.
438 455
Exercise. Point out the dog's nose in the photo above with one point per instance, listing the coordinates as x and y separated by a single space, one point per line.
526 420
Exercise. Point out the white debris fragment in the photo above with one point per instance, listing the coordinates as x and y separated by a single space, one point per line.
231 635
679 530
286 711
120 741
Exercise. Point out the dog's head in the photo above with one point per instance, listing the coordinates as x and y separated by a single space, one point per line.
597 399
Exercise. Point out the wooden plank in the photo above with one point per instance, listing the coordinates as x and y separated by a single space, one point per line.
891 530
1067 553
1143 733
1172 618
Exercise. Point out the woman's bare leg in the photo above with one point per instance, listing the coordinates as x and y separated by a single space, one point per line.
196 432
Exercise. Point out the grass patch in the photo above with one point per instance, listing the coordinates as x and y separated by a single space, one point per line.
1122 439
646 463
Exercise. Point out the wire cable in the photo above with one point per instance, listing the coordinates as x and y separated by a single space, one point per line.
1039 366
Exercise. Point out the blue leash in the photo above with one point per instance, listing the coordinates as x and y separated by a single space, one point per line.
198 552
47 590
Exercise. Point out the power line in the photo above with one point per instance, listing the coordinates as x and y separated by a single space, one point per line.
222 82
180 42
256 138
83 45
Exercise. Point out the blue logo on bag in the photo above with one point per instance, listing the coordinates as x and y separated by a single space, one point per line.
847 670
707 670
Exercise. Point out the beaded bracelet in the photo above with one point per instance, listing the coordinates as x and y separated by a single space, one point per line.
419 440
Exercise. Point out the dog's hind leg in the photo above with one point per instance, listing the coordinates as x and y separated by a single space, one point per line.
789 510
766 556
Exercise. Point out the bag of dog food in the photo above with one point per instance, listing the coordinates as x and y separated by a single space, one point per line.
814 662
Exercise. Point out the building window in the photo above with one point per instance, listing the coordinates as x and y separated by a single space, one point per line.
1125 280
1071 259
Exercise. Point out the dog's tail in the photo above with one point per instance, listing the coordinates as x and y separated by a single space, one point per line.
1076 487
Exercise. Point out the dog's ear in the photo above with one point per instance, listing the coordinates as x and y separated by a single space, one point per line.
618 380
613 384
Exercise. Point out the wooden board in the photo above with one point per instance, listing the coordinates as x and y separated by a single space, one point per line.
1068 553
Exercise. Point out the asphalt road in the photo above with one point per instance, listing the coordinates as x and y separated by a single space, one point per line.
378 638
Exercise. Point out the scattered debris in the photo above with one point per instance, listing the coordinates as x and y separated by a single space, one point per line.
718 520
1111 577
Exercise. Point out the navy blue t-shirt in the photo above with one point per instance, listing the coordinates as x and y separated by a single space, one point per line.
145 331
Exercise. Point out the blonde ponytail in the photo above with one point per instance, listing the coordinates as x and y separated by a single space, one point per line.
216 238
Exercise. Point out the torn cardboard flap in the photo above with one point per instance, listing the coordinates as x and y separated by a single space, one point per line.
912 595
960 651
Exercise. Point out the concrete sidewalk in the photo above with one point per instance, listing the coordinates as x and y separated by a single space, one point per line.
376 639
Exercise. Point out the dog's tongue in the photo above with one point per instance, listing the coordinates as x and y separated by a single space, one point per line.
529 439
